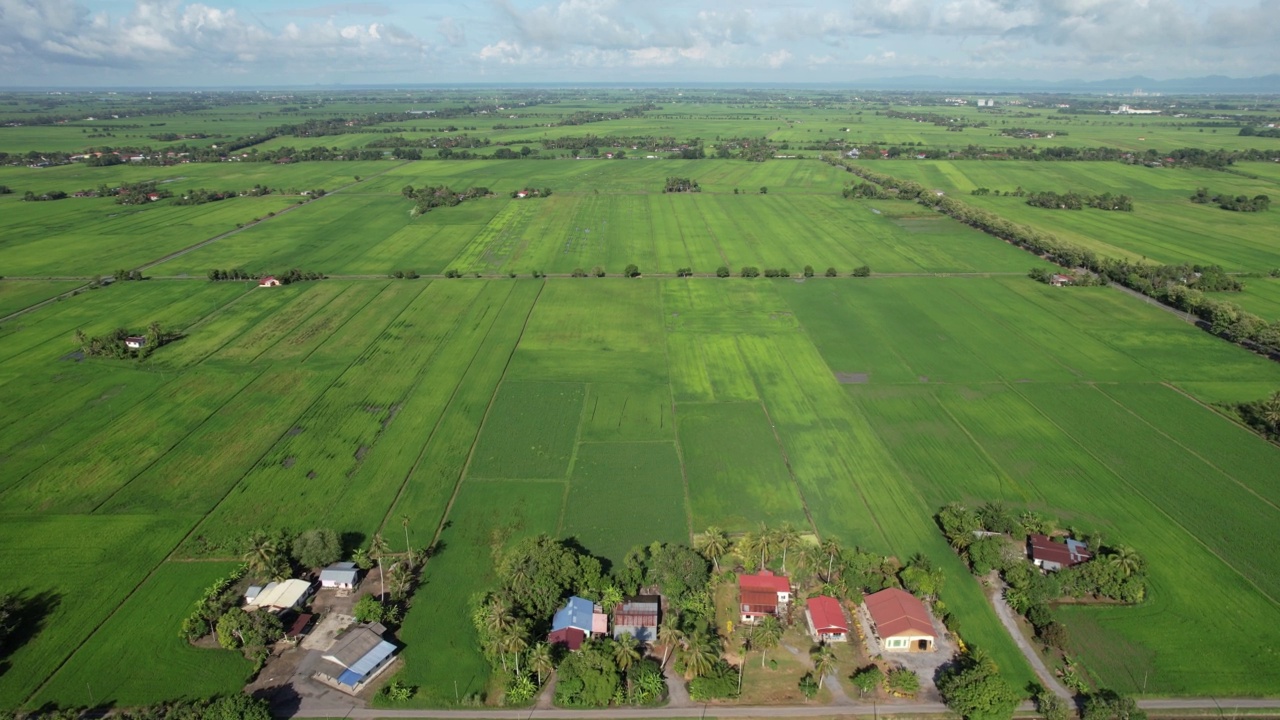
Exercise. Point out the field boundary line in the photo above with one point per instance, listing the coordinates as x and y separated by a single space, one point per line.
357 311
1193 453
986 455
1144 496
573 457
218 310
675 422
177 442
786 458
448 508
298 324
443 412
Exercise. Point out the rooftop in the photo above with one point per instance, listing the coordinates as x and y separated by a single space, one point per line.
897 612
764 580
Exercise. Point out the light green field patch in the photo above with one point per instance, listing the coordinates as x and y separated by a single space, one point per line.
625 494
615 412
530 432
142 645
737 478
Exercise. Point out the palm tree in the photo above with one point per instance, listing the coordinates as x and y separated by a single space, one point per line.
497 615
669 636
404 520
1271 410
786 538
378 548
747 546
361 558
264 556
767 635
768 543
700 656
746 636
626 652
540 660
714 543
824 663
516 640
1127 559
401 579
610 598
830 548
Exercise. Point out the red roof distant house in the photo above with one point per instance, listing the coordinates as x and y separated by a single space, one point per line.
826 619
269 281
1060 280
762 594
900 620
1050 555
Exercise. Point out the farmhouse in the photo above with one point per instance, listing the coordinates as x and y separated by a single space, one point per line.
357 657
762 594
135 342
638 616
900 621
1060 280
269 281
275 597
1052 556
826 619
576 621
343 576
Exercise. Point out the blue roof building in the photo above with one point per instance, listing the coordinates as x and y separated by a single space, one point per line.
576 613
359 655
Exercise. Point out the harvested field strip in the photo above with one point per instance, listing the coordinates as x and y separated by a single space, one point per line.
1185 577
142 646
1233 523
737 479
228 444
496 243
440 646
81 478
437 470
624 494
71 595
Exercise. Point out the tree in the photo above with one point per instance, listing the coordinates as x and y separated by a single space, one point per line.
669 636
824 663
1127 560
540 660
831 548
401 580
786 538
902 680
631 271
763 190
626 652
808 272
832 272
265 556
379 549
713 543
317 548
767 636
700 655
368 610
404 521
974 689
867 679
861 271
722 272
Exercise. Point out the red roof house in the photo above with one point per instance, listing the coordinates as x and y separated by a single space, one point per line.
900 621
1050 555
570 637
269 281
826 619
762 594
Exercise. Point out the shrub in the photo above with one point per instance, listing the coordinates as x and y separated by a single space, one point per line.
578 272
808 271
631 271
832 272
368 610
317 548
722 271
750 271
863 271
721 682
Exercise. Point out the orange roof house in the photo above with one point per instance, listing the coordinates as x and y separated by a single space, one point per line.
900 621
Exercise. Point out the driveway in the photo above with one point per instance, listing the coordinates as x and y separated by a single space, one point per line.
926 665
1010 621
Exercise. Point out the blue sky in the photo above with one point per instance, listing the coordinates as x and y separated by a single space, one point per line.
266 42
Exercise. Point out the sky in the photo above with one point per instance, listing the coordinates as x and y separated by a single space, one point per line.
154 43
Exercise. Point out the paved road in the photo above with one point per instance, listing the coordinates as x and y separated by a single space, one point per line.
1228 706
1010 622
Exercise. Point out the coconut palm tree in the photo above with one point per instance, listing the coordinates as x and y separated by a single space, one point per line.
746 637
540 660
610 598
714 543
378 549
265 556
748 544
767 635
830 548
404 520
1127 559
497 615
515 641
824 663
1271 410
401 579
785 538
700 656
669 636
626 652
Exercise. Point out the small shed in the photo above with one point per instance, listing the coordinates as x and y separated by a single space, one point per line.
359 656
135 342
1059 280
343 575
269 281
826 619
299 626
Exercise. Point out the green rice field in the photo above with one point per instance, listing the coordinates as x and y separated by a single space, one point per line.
621 411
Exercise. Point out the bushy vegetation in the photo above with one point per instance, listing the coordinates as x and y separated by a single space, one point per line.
429 197
115 343
200 196
236 706
680 184
1237 203
1262 415
1076 201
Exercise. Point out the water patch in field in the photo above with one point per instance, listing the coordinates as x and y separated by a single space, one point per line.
77 356
853 378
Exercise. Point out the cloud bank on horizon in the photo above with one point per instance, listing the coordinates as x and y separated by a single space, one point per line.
264 42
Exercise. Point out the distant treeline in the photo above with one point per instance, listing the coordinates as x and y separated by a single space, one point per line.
1075 201
1238 203
433 196
1179 286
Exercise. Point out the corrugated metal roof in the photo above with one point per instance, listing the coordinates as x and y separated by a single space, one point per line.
576 613
283 595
